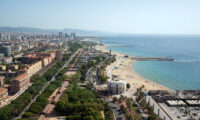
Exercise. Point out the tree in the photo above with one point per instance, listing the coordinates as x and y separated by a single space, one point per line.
115 99
128 85
89 118
27 114
123 109
74 117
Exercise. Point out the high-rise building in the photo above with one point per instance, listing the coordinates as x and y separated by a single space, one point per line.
60 35
6 50
8 37
53 36
12 37
1 36
73 35
66 35
58 55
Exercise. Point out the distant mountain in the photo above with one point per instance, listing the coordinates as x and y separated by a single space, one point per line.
38 30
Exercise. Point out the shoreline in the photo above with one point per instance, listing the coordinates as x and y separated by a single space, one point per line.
127 73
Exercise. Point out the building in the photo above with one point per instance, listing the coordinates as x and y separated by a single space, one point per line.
8 37
41 55
66 35
46 58
7 60
73 36
1 57
31 69
46 61
13 67
2 67
116 86
60 34
53 36
1 36
28 60
6 50
34 68
52 55
20 83
58 55
2 81
3 95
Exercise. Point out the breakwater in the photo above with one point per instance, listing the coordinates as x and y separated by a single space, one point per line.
120 46
152 58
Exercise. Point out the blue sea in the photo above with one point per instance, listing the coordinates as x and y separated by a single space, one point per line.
181 74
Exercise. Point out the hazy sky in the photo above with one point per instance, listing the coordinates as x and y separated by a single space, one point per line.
121 16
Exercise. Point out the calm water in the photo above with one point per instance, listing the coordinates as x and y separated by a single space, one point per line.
183 73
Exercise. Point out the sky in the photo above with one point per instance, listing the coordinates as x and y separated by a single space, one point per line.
116 16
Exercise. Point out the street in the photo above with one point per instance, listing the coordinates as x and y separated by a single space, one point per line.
118 115
45 86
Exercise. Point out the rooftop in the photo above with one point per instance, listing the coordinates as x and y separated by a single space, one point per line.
21 76
2 89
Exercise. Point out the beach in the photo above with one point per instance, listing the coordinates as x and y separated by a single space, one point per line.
126 71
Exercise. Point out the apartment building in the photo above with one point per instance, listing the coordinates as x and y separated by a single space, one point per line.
3 95
20 83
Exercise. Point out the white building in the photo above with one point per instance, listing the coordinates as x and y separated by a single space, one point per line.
117 86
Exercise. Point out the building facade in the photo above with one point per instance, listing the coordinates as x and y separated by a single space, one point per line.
58 55
3 95
20 83
1 36
117 86
34 68
73 36
60 34
6 50
2 81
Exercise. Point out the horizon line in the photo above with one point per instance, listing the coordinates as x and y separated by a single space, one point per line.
108 32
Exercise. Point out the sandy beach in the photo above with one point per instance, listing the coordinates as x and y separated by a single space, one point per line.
126 72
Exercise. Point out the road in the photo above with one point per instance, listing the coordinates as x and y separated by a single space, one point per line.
118 115
89 76
46 85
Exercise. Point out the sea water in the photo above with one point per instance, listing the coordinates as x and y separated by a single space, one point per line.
181 74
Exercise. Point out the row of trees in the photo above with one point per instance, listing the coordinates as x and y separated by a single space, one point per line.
18 105
80 103
102 69
73 47
42 100
92 63
140 97
102 74
128 107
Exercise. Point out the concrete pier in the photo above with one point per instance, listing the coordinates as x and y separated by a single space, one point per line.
152 59
120 46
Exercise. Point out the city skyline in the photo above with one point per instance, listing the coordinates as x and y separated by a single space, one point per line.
129 17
